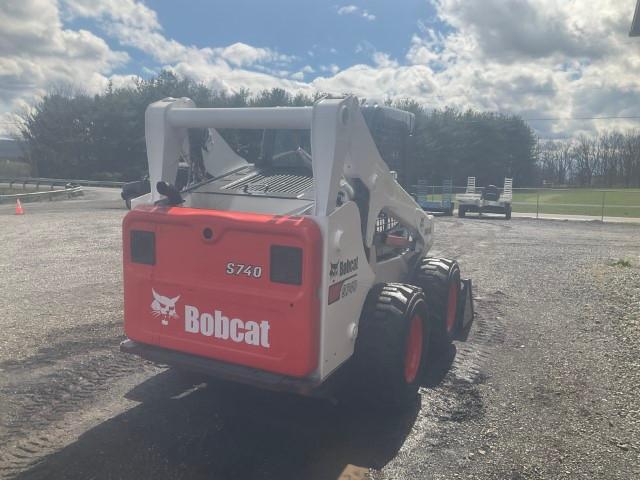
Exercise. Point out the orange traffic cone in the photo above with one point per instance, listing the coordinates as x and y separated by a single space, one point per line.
19 209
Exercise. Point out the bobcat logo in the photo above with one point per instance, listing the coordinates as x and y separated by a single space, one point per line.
164 307
343 267
333 271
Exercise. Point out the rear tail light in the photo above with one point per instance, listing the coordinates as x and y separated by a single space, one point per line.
286 265
143 247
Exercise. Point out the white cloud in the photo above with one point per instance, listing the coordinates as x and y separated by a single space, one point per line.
123 11
333 68
134 24
367 81
38 53
422 50
242 54
306 70
353 10
383 60
532 29
347 10
538 58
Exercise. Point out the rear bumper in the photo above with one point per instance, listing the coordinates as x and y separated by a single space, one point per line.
223 370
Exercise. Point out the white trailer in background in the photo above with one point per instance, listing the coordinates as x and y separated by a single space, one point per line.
487 200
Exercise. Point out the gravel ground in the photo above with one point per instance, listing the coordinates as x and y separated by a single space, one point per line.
545 387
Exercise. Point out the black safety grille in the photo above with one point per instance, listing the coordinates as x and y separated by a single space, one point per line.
384 223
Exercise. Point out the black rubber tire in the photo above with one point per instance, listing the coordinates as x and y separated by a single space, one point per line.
507 214
378 363
461 212
434 276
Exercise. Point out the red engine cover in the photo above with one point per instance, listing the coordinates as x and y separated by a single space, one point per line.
192 300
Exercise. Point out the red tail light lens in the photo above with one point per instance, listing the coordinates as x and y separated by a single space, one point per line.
143 247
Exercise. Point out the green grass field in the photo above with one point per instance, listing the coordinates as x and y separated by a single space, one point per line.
576 201
580 201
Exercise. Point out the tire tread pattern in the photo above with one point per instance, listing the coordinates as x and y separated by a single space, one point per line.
434 276
380 347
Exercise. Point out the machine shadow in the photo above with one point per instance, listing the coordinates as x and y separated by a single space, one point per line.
439 363
189 426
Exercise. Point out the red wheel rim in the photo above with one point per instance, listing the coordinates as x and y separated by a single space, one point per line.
452 306
413 353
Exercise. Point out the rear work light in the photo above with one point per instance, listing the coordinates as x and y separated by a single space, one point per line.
286 265
143 247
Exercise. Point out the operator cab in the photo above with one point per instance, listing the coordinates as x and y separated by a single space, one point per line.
280 170
392 132
286 149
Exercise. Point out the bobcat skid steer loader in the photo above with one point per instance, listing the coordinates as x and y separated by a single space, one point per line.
283 272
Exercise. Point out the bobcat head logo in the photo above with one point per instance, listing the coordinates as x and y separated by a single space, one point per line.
333 271
164 307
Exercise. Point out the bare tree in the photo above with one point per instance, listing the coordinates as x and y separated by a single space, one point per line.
609 158
630 159
556 161
564 163
586 159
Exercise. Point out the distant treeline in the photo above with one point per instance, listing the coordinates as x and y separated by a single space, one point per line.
608 159
73 135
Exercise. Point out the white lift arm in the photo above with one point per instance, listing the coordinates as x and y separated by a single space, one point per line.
341 146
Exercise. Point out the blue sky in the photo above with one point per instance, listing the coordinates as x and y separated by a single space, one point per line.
312 31
558 59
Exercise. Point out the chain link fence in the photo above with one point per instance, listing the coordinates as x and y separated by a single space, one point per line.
590 202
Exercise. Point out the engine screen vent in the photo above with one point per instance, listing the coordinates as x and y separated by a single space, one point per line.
273 180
